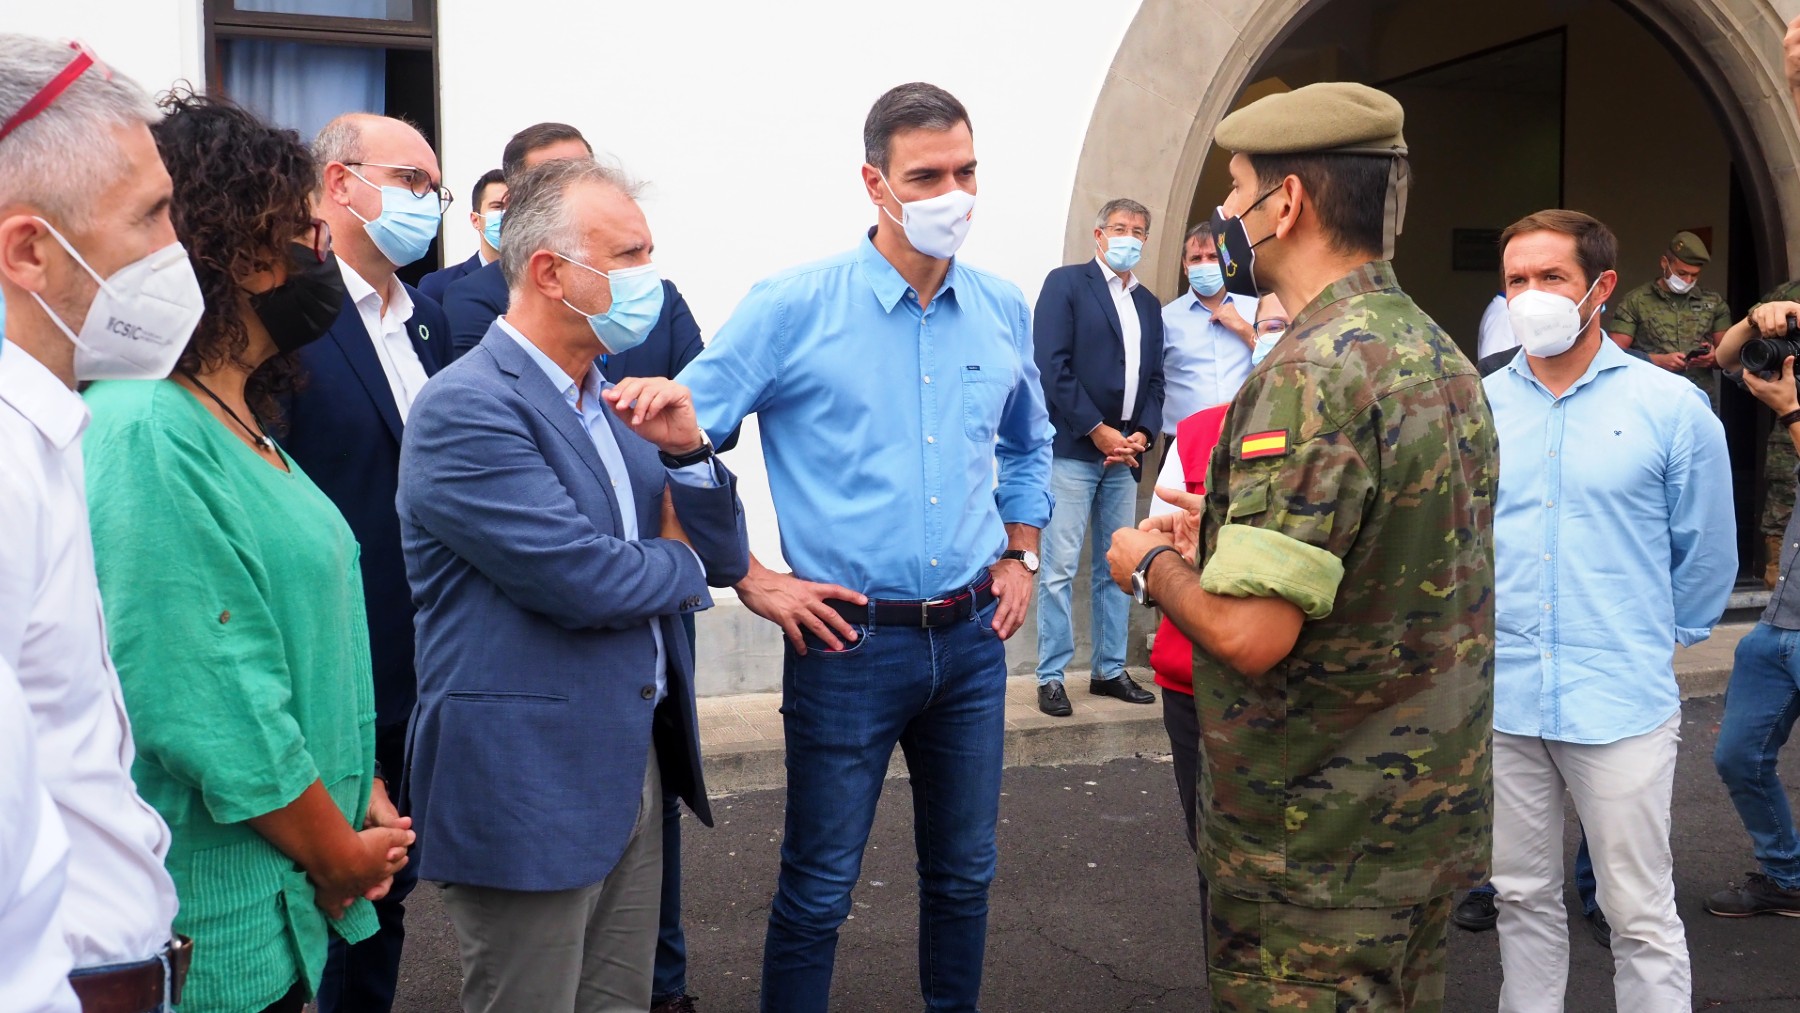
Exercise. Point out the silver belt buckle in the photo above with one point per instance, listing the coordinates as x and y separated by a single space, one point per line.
925 611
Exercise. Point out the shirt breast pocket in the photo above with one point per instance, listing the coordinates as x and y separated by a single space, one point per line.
984 393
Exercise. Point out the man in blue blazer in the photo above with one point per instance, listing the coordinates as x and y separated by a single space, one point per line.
1098 340
487 206
556 528
344 428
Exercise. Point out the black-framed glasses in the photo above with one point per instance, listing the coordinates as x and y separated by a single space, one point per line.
415 180
1271 325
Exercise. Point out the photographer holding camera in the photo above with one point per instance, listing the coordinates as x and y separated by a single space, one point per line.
1763 699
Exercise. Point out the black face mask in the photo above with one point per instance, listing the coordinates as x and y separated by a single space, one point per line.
299 312
1237 254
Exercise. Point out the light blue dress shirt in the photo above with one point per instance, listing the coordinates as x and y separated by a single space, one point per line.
1614 540
882 423
585 401
1204 364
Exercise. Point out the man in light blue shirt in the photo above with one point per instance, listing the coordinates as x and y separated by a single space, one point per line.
889 382
1208 335
1615 541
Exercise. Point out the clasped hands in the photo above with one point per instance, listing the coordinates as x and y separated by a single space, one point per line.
1119 448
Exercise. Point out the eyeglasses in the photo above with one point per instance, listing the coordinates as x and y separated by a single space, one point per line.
52 89
1123 230
415 180
1271 325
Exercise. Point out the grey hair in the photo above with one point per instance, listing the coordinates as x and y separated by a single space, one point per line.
538 215
61 159
1118 204
1201 230
339 141
915 106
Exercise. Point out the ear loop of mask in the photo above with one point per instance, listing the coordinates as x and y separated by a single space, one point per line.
56 318
890 189
1253 206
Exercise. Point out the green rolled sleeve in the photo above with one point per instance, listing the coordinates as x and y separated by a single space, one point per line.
1253 562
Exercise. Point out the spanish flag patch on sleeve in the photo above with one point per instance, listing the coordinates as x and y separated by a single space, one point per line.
1273 443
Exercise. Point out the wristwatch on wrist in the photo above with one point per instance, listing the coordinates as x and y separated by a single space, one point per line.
1140 586
705 452
1025 556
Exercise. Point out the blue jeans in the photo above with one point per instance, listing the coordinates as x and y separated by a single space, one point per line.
1087 493
941 695
1585 884
1761 704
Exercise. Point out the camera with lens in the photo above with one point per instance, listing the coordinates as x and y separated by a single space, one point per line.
1764 355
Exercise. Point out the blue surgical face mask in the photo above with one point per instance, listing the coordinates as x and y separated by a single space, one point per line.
407 224
1123 252
637 302
1207 279
490 228
1265 343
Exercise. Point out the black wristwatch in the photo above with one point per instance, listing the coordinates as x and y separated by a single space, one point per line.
1140 585
1025 556
705 453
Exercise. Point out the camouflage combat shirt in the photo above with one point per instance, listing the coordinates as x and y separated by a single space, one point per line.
1658 321
1356 478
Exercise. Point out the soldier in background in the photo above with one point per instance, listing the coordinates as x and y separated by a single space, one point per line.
1340 597
1671 317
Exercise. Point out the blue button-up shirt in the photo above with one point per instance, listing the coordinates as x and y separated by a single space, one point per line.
1614 540
585 401
882 422
1204 364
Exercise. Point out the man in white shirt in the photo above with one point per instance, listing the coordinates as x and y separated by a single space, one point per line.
1496 330
380 193
83 195
1098 342
1208 335
34 856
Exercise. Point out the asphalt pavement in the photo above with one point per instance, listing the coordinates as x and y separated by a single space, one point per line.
1096 908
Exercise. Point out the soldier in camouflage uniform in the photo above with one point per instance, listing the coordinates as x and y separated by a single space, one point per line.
1666 324
1342 598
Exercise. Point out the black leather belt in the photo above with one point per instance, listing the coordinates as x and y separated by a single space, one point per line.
135 988
924 613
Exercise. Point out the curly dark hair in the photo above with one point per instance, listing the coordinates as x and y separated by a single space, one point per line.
242 192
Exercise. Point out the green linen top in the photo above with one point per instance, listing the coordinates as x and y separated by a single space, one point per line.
235 612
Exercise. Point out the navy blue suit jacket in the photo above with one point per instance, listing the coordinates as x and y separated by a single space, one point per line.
437 283
344 429
1080 356
526 755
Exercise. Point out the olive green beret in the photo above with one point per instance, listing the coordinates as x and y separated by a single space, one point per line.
1687 248
1332 116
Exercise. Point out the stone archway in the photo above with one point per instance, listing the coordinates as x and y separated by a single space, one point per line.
1183 62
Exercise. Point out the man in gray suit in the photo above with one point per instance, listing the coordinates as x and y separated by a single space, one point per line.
556 528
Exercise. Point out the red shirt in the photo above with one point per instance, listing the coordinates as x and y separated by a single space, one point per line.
1171 653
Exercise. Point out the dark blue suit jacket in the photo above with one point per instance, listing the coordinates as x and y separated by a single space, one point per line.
1080 356
436 283
477 300
344 430
526 755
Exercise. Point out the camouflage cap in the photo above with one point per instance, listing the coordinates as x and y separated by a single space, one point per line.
1687 248
1335 116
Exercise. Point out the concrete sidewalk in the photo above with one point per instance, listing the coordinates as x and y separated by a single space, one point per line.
742 740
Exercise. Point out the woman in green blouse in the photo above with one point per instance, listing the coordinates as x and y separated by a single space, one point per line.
231 590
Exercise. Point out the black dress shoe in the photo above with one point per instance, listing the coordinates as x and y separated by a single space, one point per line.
1600 928
1052 700
1476 913
1121 688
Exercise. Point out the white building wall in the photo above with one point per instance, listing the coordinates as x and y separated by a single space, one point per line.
746 120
